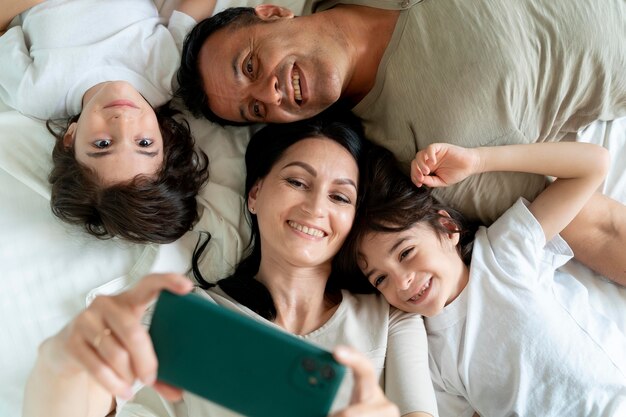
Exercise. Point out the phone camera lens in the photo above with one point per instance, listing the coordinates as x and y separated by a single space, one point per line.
308 364
327 372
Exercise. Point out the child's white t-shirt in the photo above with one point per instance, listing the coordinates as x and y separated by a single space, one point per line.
65 47
522 338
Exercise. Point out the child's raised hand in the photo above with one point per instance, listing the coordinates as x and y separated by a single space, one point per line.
442 164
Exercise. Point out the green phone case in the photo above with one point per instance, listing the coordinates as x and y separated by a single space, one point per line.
240 363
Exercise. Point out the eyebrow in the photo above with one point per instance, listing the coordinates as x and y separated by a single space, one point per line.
393 247
105 153
308 168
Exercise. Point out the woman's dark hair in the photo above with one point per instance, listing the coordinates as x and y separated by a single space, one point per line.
157 209
265 148
391 204
191 86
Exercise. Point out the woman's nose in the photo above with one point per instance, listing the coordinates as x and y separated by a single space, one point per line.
315 204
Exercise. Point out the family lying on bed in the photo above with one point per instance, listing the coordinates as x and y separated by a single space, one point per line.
516 337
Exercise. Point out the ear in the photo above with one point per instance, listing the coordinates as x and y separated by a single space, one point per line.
70 135
446 221
272 12
253 195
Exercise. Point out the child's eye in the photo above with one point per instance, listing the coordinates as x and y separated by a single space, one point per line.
379 280
405 253
145 142
102 143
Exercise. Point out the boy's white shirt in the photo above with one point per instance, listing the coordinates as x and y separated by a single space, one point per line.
522 338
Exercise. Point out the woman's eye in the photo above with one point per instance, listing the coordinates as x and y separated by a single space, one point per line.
295 183
379 280
341 198
256 109
102 143
249 67
145 142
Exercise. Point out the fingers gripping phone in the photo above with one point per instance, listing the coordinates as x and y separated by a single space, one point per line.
240 363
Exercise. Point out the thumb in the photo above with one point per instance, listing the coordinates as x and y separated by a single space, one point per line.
365 381
150 287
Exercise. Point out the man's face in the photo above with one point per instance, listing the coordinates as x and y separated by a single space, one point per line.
278 71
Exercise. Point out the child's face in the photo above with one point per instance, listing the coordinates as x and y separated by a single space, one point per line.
117 133
418 270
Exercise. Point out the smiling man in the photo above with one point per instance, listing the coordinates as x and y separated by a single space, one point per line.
471 73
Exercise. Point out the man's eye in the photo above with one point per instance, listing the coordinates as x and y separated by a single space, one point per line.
145 142
102 143
249 68
256 109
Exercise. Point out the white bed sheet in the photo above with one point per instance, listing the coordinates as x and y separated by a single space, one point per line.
49 269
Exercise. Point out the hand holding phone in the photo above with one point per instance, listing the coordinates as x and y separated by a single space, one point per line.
240 363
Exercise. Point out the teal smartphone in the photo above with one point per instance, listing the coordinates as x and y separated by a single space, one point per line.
240 363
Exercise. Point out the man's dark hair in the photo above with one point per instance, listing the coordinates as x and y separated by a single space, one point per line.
159 208
191 87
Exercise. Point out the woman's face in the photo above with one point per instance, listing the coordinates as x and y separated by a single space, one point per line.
305 205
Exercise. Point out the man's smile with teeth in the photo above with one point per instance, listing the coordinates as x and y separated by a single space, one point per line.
421 292
295 82
306 230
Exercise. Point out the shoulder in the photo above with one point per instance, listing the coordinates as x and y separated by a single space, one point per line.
514 246
370 306
513 237
313 6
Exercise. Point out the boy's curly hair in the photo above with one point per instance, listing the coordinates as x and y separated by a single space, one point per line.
157 209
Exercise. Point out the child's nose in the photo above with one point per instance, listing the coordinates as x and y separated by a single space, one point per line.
404 279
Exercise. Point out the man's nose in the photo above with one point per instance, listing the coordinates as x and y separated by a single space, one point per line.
268 91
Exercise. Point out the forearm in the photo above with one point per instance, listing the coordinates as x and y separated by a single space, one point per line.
12 8
51 394
198 9
598 237
557 159
580 168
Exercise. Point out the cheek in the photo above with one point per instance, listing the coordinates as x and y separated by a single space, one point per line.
343 223
391 297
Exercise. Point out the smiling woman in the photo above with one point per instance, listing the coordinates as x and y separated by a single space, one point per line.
122 158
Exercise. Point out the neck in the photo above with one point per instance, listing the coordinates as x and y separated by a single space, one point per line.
299 296
463 280
367 32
